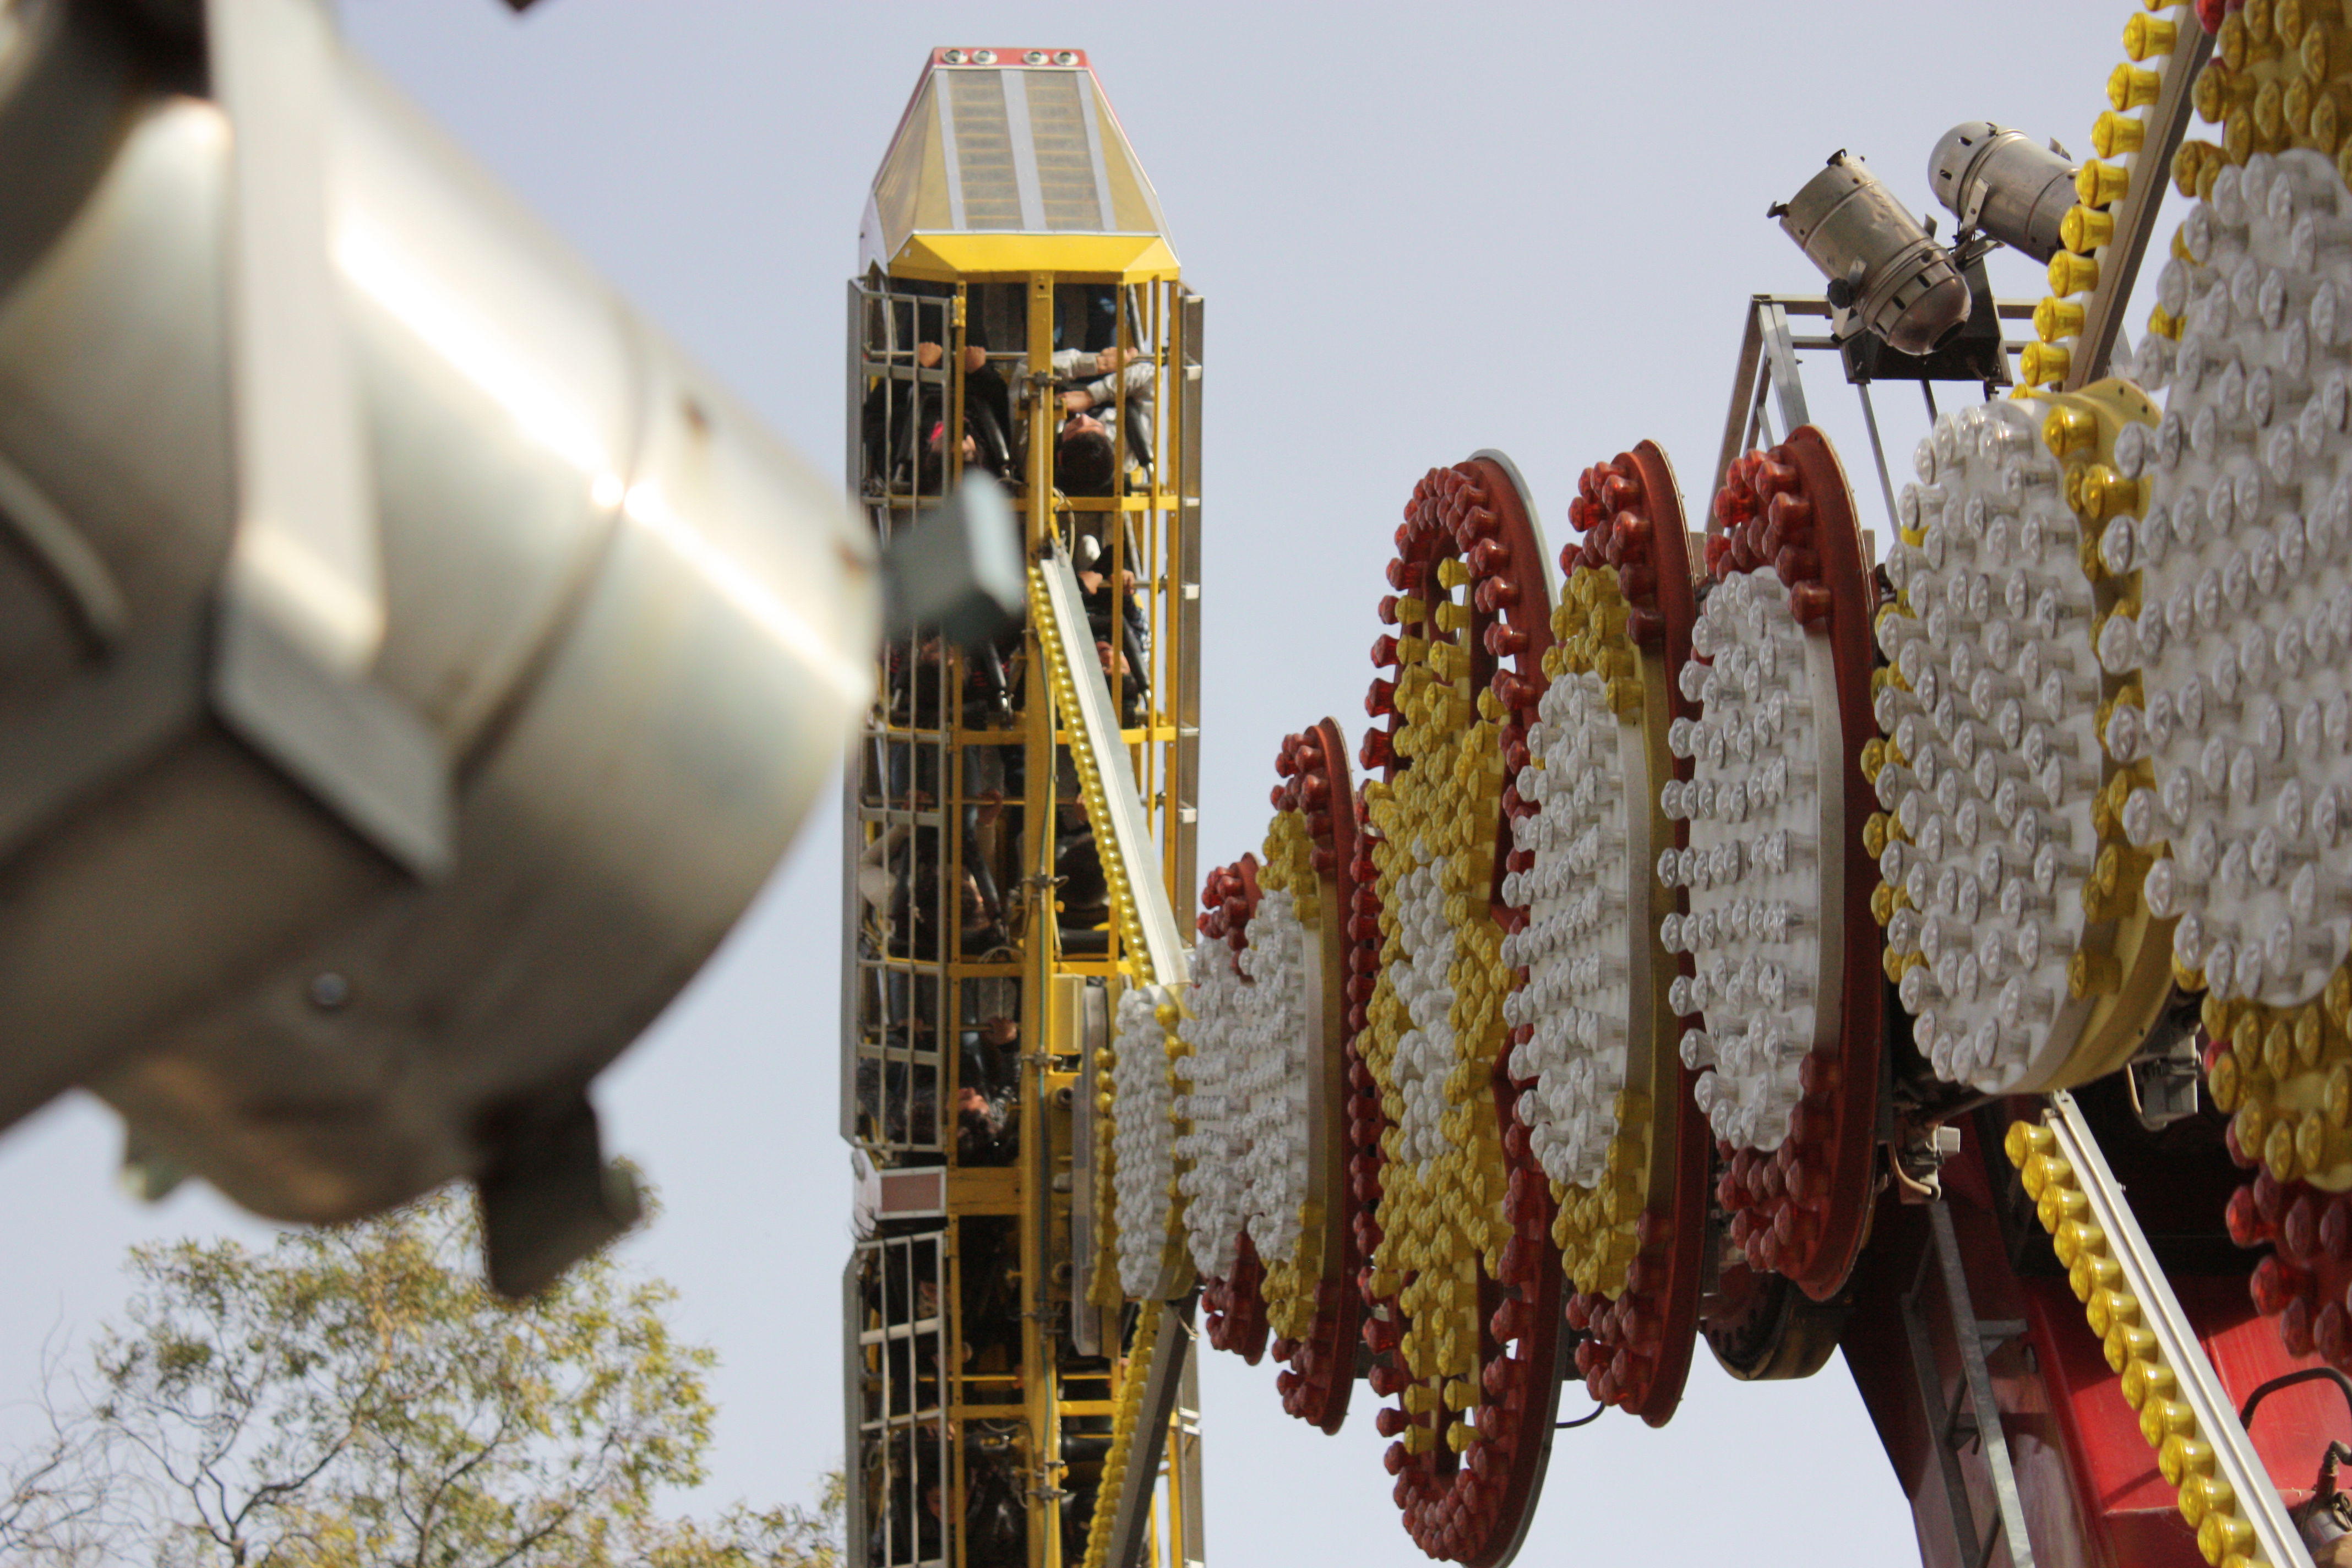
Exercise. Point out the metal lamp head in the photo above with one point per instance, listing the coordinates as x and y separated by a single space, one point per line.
411 664
1886 273
2005 183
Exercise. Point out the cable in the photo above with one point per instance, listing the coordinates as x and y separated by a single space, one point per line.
1926 1194
2288 1380
1579 1421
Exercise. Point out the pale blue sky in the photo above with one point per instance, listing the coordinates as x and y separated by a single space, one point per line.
1420 231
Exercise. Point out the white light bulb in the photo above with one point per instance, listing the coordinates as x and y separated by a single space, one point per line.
1251 1036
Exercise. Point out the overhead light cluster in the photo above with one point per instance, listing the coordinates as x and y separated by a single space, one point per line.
1887 274
2275 81
2003 182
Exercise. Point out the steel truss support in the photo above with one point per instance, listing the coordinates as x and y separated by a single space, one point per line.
1170 1404
1768 393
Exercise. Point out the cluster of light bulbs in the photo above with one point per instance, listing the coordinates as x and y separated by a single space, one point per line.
1274 1036
2245 556
1996 759
1585 763
1143 1168
1245 1153
1210 1151
1422 977
1754 868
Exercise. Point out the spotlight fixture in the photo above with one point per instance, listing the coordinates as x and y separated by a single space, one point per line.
2004 185
1888 275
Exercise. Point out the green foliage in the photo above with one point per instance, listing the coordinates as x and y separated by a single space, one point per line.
355 1397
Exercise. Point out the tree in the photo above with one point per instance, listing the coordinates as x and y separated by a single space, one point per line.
355 1397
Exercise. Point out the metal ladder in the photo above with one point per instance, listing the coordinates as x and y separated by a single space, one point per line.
1975 1416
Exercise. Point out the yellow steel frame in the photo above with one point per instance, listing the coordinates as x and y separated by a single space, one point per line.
1157 512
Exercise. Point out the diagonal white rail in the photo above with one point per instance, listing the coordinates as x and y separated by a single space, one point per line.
1122 832
2257 1500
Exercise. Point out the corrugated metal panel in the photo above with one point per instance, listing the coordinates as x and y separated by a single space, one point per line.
982 159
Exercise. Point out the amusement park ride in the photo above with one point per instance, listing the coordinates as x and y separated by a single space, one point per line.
1720 935
1724 933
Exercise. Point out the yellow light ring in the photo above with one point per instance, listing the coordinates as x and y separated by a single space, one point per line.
2117 137
2149 1386
1103 1289
2280 77
1126 1418
2049 973
2283 1077
1441 1188
1322 1317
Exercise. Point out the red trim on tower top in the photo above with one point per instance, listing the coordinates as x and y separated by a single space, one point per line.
1069 59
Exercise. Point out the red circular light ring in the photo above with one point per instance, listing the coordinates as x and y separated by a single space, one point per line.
1475 1507
1804 1209
1637 1348
2301 1286
1232 1311
1322 1366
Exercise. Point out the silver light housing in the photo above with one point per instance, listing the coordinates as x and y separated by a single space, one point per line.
1888 275
2004 184
342 876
